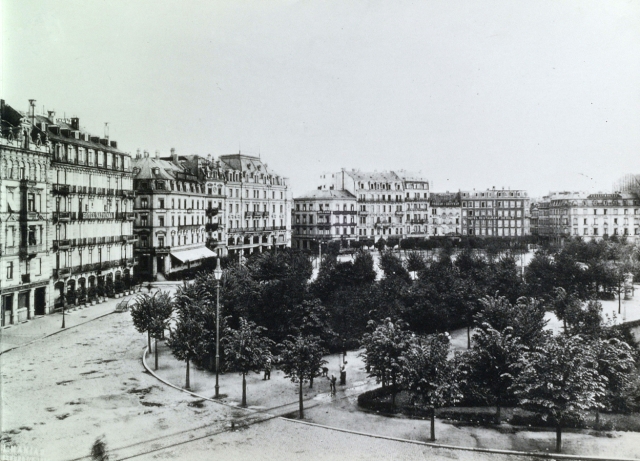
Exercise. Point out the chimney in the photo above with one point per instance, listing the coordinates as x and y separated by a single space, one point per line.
106 130
51 114
146 154
75 123
174 156
138 153
157 153
32 110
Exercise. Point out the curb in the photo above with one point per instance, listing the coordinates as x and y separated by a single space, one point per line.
55 333
472 449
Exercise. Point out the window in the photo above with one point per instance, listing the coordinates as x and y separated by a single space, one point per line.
31 202
161 241
10 270
161 221
144 220
161 203
144 202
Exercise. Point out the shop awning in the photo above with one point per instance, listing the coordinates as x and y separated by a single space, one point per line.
193 254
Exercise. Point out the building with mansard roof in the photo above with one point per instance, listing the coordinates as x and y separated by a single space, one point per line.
445 213
171 216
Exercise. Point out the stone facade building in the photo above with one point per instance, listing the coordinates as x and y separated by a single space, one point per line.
445 213
498 213
170 222
589 216
258 206
390 204
92 204
25 227
323 216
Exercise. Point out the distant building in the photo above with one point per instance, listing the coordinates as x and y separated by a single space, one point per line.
498 213
258 206
170 217
445 213
390 204
589 216
322 216
25 219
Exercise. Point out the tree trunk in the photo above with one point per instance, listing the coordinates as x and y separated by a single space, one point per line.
558 439
156 355
149 341
311 383
468 336
433 424
244 390
187 386
597 418
393 391
301 406
498 413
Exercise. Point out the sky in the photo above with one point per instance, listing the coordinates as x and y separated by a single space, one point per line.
540 95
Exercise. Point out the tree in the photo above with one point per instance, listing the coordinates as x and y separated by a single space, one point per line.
246 350
489 364
615 362
188 340
430 376
384 349
151 314
301 360
560 382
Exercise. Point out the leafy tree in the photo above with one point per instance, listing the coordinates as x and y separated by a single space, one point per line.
615 361
560 382
526 318
416 261
141 314
246 350
152 314
188 341
384 349
301 360
489 364
430 376
540 275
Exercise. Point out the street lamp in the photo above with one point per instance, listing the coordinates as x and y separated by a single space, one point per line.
217 273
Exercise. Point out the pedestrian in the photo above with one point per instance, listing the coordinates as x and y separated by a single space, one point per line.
332 384
267 369
343 374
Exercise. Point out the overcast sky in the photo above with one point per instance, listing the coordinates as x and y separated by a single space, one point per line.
474 94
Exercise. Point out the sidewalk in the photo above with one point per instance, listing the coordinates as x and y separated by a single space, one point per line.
278 394
13 336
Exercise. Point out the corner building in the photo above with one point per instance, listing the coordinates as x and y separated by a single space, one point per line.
170 220
258 214
25 227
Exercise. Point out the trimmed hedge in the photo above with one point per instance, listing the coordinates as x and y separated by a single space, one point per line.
371 400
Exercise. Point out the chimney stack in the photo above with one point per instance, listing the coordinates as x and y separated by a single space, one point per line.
32 110
51 114
146 154
138 153
157 153
174 156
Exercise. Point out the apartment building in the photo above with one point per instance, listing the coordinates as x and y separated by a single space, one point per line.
322 216
590 216
494 212
258 206
92 203
170 216
390 204
25 228
445 213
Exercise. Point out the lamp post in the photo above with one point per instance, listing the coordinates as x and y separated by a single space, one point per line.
217 273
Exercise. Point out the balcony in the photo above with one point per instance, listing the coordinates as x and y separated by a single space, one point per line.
61 245
87 267
187 227
162 250
63 216
30 216
124 193
29 251
62 272
212 211
129 238
211 227
126 216
26 278
76 269
418 221
60 189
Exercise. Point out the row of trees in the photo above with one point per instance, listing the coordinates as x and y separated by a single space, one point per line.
513 361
